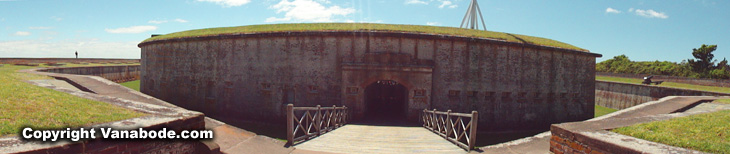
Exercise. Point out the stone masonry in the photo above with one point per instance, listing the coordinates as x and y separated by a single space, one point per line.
252 77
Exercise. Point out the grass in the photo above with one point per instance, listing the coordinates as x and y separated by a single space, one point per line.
667 84
131 84
600 111
708 132
722 101
369 27
23 104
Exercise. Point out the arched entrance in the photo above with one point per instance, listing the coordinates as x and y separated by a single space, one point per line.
386 101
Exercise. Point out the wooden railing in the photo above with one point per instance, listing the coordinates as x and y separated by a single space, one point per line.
451 126
304 123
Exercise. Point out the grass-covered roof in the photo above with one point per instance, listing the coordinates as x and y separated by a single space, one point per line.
367 27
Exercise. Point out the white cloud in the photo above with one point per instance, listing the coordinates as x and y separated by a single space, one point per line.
433 23
415 2
157 21
611 10
650 13
56 18
21 33
133 29
275 19
307 11
40 27
227 3
180 20
165 21
447 4
86 48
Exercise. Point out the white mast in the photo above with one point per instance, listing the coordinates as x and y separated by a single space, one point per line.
470 18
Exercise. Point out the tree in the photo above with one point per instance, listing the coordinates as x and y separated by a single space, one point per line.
723 64
704 59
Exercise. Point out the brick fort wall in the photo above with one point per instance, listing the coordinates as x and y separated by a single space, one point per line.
252 76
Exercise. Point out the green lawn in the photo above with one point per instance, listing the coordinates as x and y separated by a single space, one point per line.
722 101
600 111
23 104
366 26
666 84
131 84
708 132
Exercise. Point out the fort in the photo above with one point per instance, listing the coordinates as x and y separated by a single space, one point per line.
243 74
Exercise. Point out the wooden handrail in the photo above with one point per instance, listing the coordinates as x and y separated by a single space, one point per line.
314 121
451 126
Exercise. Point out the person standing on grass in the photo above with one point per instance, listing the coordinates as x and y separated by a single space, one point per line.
77 55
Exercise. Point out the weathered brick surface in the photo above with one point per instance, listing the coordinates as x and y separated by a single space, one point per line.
252 76
562 145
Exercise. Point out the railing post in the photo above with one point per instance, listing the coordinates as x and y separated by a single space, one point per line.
448 123
345 115
331 122
290 124
435 120
423 118
473 132
318 119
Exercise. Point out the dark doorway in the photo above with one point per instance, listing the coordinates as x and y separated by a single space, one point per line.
386 102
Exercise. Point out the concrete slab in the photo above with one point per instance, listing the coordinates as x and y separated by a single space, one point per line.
58 83
539 143
260 144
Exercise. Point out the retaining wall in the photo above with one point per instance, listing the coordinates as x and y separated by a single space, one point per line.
117 74
695 81
624 95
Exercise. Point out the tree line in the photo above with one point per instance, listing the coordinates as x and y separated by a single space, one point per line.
702 66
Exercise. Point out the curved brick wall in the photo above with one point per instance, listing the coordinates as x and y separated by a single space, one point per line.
253 76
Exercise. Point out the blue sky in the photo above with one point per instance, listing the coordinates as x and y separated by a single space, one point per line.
644 30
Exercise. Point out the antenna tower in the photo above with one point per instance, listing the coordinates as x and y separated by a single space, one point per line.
472 17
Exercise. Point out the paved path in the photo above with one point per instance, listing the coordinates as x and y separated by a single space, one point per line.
355 138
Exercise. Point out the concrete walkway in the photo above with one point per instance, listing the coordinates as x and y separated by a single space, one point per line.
354 138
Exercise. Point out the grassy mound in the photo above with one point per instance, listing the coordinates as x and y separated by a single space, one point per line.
367 27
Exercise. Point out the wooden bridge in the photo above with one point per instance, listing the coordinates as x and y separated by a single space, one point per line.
323 129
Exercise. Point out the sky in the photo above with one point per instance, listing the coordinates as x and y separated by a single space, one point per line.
644 30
